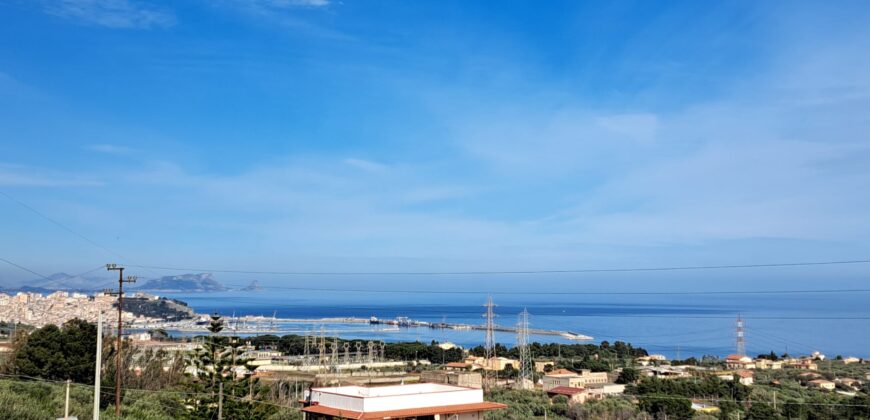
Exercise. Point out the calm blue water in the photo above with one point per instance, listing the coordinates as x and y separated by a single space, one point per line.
683 325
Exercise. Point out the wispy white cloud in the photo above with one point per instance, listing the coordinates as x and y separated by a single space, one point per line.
291 3
542 182
436 193
366 165
539 141
112 149
296 15
122 14
26 176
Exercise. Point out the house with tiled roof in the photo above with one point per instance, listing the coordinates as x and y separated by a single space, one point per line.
745 377
565 377
574 394
823 384
739 361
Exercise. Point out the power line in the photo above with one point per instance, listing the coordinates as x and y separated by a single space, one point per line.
470 311
805 318
24 378
655 396
65 227
50 281
24 268
506 272
60 225
430 273
717 400
438 273
482 292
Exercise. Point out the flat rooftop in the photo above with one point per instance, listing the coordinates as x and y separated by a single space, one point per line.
397 401
390 391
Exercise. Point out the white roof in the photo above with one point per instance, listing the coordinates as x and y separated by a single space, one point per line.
389 391
396 397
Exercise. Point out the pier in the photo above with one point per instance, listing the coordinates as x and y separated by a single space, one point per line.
405 322
271 325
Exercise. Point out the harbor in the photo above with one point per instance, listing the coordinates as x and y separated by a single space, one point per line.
259 325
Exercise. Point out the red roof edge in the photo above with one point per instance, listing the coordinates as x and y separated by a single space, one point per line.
410 412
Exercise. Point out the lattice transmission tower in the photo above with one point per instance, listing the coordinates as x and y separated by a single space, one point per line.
525 378
741 337
306 356
489 342
321 347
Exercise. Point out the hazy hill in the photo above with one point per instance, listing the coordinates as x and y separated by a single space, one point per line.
68 282
202 282
163 308
253 287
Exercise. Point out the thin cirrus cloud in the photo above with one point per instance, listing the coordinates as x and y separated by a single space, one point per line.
366 165
26 176
118 14
112 149
286 14
293 3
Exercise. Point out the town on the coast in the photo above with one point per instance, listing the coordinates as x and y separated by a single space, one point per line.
319 375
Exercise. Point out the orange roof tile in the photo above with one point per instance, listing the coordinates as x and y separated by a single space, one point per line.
458 364
565 390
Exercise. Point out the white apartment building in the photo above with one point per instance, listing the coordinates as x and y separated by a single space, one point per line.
415 401
567 378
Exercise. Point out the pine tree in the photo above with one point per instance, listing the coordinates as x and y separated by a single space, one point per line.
215 364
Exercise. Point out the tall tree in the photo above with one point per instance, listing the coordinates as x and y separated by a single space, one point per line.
761 411
218 367
58 353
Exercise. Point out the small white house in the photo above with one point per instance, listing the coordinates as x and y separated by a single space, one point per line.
399 401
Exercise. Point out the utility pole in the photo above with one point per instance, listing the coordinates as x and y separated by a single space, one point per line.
99 363
121 281
66 402
774 400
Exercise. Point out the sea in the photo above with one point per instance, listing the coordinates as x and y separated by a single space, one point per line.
678 326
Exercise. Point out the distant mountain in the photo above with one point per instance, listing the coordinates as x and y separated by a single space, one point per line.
253 287
68 282
202 282
163 308
26 289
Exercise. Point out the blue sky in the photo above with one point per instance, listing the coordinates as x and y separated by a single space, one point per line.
388 136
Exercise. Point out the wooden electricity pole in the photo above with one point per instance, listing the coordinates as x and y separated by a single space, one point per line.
98 363
120 293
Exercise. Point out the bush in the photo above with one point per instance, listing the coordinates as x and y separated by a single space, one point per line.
58 353
672 406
